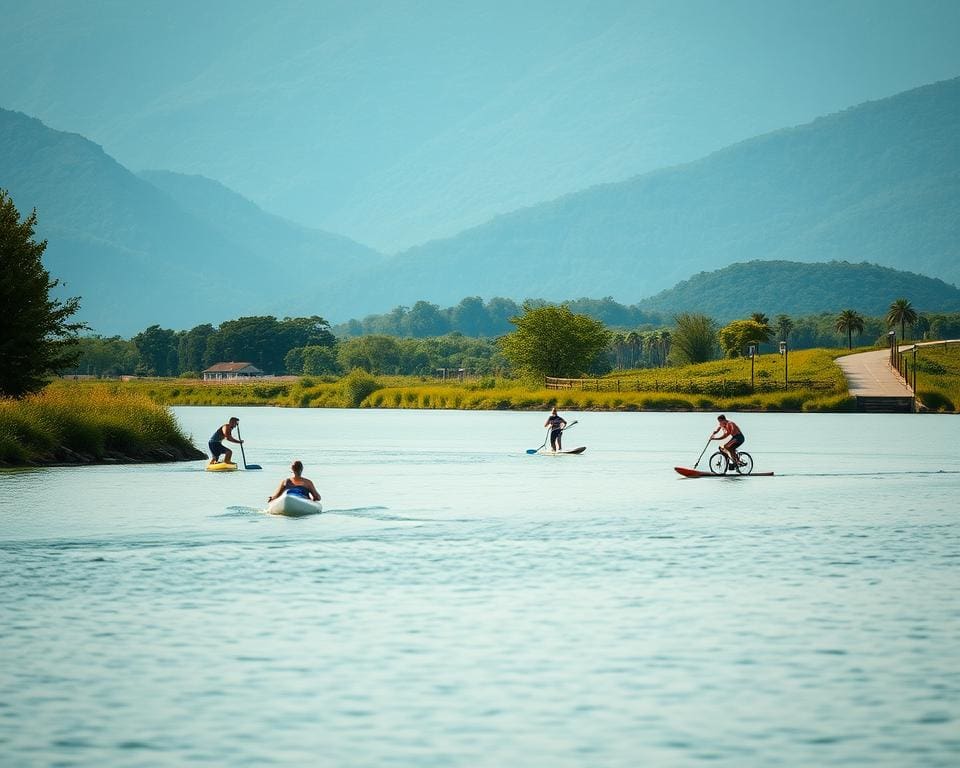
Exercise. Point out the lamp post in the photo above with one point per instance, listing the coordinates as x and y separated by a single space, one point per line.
753 353
892 339
786 354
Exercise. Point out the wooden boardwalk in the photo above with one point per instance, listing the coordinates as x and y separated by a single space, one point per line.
879 386
876 384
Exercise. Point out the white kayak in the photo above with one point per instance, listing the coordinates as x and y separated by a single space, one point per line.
294 505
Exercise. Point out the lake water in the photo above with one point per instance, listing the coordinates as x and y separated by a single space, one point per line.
461 603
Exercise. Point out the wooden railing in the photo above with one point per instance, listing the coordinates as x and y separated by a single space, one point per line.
907 371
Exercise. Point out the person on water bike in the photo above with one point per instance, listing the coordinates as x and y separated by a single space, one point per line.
216 446
556 424
727 428
298 484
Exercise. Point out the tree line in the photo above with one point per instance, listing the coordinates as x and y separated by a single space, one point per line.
39 339
307 346
553 341
294 346
490 319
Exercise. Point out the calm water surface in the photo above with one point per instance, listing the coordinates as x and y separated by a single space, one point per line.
461 603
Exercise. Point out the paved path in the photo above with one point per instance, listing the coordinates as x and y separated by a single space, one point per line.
869 374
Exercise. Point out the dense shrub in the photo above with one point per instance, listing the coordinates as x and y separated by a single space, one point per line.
357 386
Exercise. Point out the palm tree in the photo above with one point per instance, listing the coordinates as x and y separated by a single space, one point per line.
618 342
847 322
763 320
901 312
784 326
652 341
664 343
635 344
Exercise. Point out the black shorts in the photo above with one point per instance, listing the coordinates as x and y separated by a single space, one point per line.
216 449
735 442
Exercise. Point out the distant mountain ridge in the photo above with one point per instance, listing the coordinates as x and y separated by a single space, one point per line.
798 289
732 293
159 248
396 122
877 182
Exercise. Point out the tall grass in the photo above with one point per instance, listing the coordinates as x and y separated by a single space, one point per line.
938 377
91 422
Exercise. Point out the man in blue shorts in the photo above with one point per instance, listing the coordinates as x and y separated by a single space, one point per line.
216 446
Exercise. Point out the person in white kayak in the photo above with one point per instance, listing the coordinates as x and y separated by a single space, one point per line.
556 424
297 484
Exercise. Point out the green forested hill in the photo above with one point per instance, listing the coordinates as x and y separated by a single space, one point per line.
798 289
879 182
177 251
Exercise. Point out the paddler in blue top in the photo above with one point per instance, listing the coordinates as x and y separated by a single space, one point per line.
556 424
216 445
297 484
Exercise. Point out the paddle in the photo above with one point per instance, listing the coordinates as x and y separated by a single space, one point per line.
536 450
702 452
243 455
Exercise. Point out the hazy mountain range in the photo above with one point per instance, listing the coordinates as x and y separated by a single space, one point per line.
879 182
160 248
394 122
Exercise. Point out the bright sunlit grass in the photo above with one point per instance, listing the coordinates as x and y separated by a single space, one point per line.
91 419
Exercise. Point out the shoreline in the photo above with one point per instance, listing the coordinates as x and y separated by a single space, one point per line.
64 456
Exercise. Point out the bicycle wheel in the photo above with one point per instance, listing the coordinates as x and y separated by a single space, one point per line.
745 467
718 464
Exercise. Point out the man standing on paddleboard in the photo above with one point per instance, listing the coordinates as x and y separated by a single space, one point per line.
727 428
216 445
556 424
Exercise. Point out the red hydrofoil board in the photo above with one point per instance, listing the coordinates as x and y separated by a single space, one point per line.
687 472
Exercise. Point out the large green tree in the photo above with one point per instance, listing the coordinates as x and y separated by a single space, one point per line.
37 338
265 341
376 353
901 313
192 348
425 320
849 321
551 340
101 356
694 338
157 348
470 316
737 336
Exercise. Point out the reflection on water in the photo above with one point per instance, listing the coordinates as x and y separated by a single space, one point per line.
462 603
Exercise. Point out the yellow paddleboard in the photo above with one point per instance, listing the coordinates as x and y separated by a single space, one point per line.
221 467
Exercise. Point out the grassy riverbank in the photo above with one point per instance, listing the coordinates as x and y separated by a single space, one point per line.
100 420
938 377
815 384
73 423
